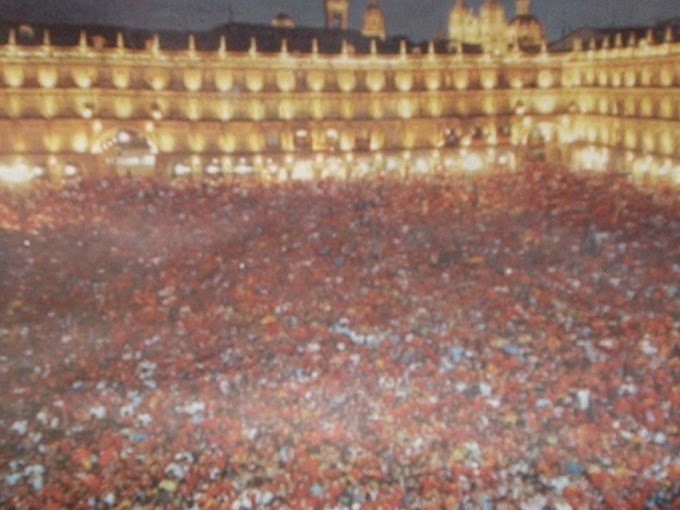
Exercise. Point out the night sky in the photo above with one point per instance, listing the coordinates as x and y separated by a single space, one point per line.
417 19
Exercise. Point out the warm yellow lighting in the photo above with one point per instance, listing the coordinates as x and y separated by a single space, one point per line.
347 81
648 141
433 80
83 77
285 80
375 80
166 141
256 142
14 75
224 80
226 142
347 108
97 126
122 107
225 110
434 106
317 108
405 107
316 80
196 142
461 80
488 79
120 77
666 76
286 109
546 104
516 81
545 79
157 79
48 106
52 141
47 76
403 81
193 109
254 80
256 109
193 79
376 108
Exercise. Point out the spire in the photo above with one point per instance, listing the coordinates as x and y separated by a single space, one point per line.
523 8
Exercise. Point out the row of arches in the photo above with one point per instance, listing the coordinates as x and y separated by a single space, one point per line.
187 107
41 75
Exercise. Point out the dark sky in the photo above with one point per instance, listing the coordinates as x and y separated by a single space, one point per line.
417 19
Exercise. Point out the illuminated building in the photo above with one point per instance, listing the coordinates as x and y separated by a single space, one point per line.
374 21
262 99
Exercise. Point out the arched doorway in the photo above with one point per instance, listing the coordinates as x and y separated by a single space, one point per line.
127 152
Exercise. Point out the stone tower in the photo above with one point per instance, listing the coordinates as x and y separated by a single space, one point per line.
523 8
337 13
374 21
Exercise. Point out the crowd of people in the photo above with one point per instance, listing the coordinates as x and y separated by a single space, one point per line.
500 341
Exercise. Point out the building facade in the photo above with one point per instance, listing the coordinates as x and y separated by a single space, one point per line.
101 106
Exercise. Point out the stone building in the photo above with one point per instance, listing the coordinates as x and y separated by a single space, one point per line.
281 102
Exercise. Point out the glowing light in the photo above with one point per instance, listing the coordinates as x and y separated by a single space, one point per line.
256 109
120 77
47 77
504 159
421 165
14 76
433 81
70 170
212 168
80 142
461 80
285 80
181 169
123 107
18 173
193 109
254 81
403 81
303 170
473 162
158 79
243 167
546 104
286 109
83 77
405 108
375 81
489 79
224 80
545 79
193 79
347 81
593 158
316 80
516 82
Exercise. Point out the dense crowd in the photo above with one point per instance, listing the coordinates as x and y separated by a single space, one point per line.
507 341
